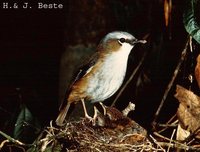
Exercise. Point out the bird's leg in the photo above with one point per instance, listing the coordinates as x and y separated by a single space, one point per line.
85 111
104 108
95 116
98 118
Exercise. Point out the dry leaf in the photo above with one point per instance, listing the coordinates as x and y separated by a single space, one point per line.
167 11
181 133
197 70
189 109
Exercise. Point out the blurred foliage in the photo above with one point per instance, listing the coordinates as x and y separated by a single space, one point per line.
190 18
26 126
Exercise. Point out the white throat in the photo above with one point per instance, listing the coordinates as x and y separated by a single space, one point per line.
125 49
112 74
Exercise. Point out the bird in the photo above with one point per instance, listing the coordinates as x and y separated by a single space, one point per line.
102 75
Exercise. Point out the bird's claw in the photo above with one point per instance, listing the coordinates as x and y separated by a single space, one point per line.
87 117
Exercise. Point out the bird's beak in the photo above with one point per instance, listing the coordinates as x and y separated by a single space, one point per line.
135 41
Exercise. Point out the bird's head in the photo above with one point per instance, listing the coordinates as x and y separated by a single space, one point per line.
118 41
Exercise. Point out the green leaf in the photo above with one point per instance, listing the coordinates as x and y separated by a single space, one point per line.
26 126
190 19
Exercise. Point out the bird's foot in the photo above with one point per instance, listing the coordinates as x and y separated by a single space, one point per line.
94 119
104 108
98 118
95 116
90 119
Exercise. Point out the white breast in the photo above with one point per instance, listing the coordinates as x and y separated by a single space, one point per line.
109 77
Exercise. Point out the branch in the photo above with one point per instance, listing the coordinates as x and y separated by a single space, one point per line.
12 139
183 55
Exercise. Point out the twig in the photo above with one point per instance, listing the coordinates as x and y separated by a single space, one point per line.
167 125
171 140
171 119
183 55
129 108
16 146
11 139
193 135
3 143
191 48
178 144
156 142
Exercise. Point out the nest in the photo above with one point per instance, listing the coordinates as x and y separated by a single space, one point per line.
82 136
117 133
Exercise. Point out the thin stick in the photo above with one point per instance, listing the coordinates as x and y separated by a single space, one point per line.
169 124
156 142
174 124
171 140
12 139
183 55
130 79
129 108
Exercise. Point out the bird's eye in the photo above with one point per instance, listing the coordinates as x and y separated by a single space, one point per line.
122 40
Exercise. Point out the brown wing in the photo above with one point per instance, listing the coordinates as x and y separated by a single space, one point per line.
83 70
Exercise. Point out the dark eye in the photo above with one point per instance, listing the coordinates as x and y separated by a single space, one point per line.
122 40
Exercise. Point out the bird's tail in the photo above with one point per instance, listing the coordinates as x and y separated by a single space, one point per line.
63 113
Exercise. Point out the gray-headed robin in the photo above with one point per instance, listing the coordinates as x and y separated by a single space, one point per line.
103 74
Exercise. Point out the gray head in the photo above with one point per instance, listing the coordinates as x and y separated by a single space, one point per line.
119 40
122 37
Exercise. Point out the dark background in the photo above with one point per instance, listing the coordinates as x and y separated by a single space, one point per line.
31 44
33 41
